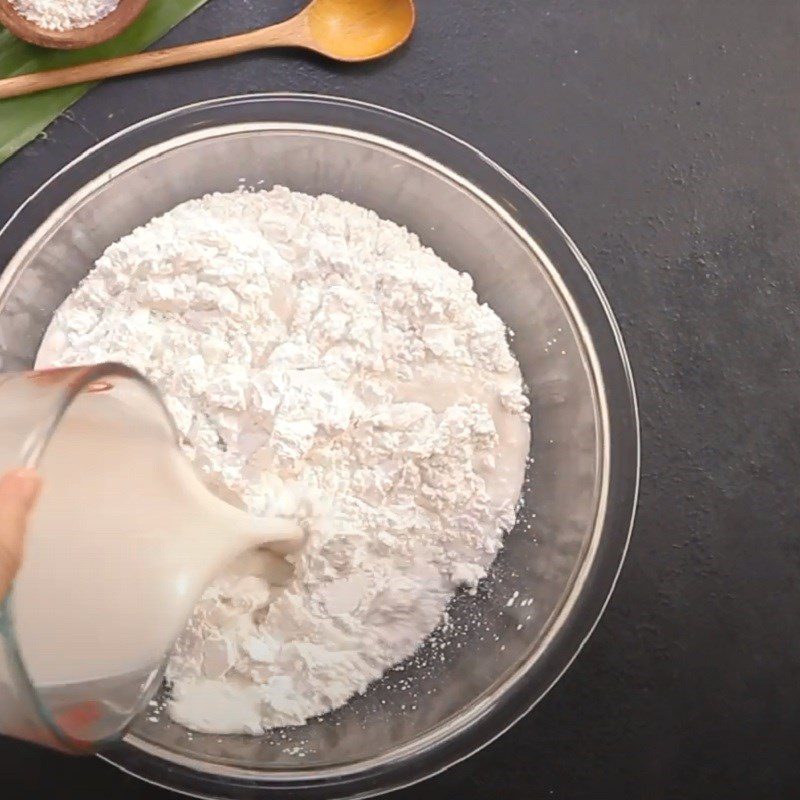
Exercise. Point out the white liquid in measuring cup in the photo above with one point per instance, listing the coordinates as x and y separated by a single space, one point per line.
122 542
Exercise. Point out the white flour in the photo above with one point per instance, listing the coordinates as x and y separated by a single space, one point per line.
305 339
64 15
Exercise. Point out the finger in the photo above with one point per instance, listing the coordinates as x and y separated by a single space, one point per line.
18 492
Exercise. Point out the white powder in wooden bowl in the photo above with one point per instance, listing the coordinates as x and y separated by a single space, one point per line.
64 15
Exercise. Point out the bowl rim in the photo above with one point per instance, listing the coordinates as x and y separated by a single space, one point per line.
621 450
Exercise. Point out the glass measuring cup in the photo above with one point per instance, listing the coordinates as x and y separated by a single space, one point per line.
104 587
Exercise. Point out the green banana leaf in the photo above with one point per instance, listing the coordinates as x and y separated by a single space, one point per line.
23 118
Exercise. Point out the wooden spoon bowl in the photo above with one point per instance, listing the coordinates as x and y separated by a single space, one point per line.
103 30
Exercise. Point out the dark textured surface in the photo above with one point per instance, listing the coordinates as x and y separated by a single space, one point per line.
665 136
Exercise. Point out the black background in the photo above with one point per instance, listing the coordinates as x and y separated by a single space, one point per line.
665 136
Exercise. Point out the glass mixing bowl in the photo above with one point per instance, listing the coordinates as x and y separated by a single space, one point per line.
502 649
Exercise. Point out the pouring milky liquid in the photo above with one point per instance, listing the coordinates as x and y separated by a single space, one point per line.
123 540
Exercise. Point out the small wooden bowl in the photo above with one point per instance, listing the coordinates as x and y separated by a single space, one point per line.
107 28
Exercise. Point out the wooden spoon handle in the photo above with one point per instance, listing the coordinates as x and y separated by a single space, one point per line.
284 33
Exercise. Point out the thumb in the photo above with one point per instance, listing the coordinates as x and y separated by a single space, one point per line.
18 492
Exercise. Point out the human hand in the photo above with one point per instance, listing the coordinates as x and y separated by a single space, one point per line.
18 492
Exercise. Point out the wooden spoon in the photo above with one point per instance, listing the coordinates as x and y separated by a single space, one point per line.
345 30
102 30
